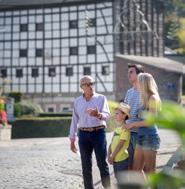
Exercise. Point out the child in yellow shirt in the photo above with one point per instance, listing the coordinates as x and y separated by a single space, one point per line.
117 152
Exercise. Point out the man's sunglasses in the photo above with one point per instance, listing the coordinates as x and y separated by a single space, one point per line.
89 84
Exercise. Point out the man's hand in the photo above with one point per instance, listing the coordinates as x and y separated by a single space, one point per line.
73 147
94 112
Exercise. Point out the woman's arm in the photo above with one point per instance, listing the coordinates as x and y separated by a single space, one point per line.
153 107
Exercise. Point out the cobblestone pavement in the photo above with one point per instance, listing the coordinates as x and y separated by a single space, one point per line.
48 163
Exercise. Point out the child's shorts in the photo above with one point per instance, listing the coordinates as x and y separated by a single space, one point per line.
120 166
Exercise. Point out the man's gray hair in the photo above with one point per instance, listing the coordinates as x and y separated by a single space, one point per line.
86 79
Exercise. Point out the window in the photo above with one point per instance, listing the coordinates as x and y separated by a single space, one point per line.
65 109
92 22
39 52
39 26
87 71
105 70
52 72
50 109
35 72
3 73
19 73
91 49
73 24
73 50
69 71
23 53
24 27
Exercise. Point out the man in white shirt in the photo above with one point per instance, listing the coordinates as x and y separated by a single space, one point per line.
89 117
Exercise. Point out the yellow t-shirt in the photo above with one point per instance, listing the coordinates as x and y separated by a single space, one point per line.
120 134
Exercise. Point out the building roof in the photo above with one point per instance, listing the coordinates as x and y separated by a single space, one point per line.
158 62
5 4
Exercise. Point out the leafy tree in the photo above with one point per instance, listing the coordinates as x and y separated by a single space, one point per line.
181 35
171 116
174 24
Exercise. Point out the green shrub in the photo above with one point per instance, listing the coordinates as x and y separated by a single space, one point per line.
27 108
112 105
171 116
38 128
17 109
2 106
16 95
111 122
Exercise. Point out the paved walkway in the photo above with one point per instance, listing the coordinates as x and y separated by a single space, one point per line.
48 163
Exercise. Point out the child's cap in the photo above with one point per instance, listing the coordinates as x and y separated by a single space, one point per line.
125 108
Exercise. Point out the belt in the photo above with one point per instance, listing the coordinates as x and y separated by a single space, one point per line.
91 129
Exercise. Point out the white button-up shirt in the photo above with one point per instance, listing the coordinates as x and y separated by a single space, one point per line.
81 118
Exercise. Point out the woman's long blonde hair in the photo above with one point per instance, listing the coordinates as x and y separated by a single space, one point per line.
147 88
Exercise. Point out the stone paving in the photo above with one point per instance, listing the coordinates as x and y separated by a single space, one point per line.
48 163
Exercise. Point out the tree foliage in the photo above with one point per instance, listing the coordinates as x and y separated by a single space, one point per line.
171 116
175 24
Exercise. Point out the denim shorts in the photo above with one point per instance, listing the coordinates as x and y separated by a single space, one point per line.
149 142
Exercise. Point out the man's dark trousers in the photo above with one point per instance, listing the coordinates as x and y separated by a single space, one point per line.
89 141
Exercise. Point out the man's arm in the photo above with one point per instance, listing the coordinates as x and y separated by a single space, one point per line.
125 99
73 130
102 111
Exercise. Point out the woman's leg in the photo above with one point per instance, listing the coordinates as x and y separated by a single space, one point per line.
150 160
138 159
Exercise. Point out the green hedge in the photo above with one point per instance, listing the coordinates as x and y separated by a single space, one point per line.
61 114
30 128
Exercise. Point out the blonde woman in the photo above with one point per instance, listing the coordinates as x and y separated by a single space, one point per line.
148 138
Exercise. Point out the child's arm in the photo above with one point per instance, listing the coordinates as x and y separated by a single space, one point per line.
109 150
117 149
109 154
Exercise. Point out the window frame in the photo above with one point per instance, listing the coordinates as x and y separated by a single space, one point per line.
23 53
86 71
23 27
73 24
105 70
19 73
91 49
3 73
69 71
73 51
51 71
35 72
38 52
39 26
